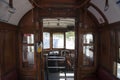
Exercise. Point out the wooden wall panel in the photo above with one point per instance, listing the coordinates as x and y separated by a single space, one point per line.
8 47
108 45
105 55
1 52
9 52
26 23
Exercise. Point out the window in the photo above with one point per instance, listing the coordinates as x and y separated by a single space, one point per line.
88 49
116 67
28 38
118 70
46 40
58 40
28 50
70 40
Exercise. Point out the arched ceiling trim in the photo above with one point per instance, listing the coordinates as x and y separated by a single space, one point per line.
98 12
113 12
21 7
93 18
28 12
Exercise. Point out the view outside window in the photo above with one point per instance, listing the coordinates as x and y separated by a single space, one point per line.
118 70
28 38
88 38
88 49
46 40
58 40
70 40
28 50
28 54
118 63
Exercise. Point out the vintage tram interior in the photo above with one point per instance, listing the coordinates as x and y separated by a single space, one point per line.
59 39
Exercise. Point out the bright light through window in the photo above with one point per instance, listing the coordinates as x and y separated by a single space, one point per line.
88 38
58 40
67 74
118 70
61 79
46 40
70 40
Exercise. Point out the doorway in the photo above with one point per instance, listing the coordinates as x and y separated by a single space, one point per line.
59 48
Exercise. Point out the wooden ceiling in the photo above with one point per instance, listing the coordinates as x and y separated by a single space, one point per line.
57 9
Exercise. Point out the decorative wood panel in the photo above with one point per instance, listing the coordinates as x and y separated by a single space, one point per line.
7 48
9 52
108 43
1 52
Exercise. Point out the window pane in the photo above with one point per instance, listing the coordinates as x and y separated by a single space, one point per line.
46 40
28 38
118 70
88 55
58 40
88 38
114 68
119 38
119 53
28 56
70 40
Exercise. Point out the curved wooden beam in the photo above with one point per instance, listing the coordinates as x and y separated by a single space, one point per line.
92 17
83 4
34 4
99 11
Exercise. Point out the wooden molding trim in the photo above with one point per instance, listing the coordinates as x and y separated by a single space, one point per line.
79 5
99 11
112 26
7 26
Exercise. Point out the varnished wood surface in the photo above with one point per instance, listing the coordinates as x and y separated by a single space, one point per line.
8 40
